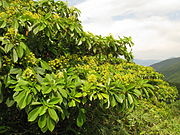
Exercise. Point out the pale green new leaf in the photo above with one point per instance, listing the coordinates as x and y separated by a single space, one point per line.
105 95
130 99
15 56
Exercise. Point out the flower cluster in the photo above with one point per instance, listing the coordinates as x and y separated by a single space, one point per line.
6 61
60 63
28 74
31 59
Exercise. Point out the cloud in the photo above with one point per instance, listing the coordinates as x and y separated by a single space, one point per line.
154 25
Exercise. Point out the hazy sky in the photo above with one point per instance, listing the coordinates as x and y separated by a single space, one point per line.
154 25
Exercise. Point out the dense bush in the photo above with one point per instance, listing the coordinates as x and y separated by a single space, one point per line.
57 74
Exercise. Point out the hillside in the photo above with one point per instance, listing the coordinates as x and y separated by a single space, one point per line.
171 69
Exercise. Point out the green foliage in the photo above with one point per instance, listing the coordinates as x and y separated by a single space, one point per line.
154 119
55 72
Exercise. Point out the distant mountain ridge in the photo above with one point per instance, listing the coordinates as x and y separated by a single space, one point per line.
171 69
145 62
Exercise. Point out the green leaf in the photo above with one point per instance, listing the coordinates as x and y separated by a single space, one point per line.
130 99
8 47
22 45
119 98
47 90
39 28
137 92
146 93
79 95
15 56
45 65
113 101
15 25
48 15
72 103
148 85
54 101
50 124
19 96
22 82
63 92
33 114
43 110
44 129
2 24
9 102
15 71
39 70
23 102
29 99
53 114
81 118
42 121
100 96
35 103
20 51
105 95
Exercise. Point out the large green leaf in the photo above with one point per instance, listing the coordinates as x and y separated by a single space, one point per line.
18 96
63 92
54 100
23 102
53 114
43 110
81 118
15 56
50 124
33 114
20 51
42 121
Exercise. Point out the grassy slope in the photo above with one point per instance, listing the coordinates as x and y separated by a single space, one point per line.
170 68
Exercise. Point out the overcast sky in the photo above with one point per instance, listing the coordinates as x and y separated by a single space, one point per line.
154 25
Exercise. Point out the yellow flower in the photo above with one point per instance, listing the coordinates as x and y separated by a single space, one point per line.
92 78
60 75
